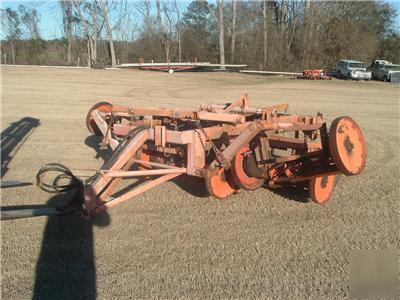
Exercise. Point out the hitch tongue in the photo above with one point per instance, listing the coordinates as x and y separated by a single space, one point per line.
19 213
74 205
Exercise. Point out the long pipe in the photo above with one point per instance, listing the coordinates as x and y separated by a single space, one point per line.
28 213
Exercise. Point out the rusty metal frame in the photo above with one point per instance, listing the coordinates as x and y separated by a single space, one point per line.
238 122
231 146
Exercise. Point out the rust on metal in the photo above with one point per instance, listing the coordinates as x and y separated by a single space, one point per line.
232 146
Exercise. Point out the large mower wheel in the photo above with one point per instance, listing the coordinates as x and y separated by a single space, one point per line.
321 188
219 184
347 146
239 174
90 123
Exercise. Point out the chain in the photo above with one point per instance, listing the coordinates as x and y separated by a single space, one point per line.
198 125
219 155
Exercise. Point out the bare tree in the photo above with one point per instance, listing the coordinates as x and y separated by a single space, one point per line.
233 32
104 5
178 31
299 31
265 31
164 40
89 16
291 21
221 31
11 26
126 32
145 10
66 8
220 22
165 28
30 18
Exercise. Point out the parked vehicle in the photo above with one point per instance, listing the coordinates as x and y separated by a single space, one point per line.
378 62
376 65
384 72
352 69
395 77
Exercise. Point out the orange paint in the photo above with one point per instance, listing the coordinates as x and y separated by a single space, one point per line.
239 174
321 188
347 146
217 184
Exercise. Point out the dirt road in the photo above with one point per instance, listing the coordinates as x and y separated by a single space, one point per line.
176 241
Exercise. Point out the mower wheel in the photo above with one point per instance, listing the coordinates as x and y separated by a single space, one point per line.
239 174
321 188
219 184
90 123
347 146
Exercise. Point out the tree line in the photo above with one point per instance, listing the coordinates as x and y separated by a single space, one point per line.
278 35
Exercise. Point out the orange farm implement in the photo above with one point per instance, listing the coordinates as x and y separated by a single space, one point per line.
314 75
232 146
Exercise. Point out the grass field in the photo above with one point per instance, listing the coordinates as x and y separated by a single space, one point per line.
175 241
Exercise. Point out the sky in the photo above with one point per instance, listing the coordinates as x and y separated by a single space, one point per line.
50 15
50 25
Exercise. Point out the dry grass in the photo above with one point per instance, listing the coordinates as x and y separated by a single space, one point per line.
176 242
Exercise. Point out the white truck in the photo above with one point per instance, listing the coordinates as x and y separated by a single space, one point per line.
384 70
352 69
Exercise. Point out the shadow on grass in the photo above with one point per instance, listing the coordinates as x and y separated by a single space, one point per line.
292 192
66 267
93 141
13 137
195 186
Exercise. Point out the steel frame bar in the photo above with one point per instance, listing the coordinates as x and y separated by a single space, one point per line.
122 174
134 192
103 126
237 122
120 161
152 164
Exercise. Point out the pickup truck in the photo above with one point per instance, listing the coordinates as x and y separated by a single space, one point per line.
384 71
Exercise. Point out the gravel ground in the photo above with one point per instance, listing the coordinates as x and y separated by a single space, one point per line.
175 241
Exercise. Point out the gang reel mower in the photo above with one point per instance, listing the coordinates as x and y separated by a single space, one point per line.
236 147
231 146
